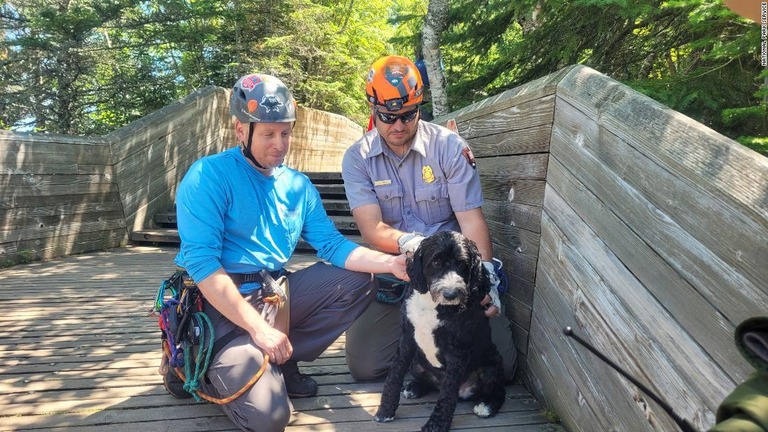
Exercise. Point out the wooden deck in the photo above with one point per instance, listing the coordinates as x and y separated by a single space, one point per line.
79 352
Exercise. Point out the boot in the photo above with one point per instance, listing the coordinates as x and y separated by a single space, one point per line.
175 385
298 384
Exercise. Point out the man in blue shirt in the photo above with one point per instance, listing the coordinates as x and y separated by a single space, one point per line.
242 211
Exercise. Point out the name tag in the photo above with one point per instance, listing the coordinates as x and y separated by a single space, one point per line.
382 182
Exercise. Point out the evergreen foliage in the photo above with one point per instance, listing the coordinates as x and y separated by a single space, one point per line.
695 56
91 66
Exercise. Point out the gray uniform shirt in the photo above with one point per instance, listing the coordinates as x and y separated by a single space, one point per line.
419 192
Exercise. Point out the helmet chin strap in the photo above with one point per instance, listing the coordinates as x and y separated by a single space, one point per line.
247 148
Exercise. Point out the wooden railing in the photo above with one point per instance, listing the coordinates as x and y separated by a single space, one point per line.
58 196
61 195
652 245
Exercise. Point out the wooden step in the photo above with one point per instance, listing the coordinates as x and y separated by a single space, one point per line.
157 235
171 235
165 219
331 191
324 177
334 206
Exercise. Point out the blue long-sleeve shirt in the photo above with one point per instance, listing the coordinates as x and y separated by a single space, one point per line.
231 216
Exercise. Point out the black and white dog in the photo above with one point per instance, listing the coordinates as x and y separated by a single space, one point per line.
446 338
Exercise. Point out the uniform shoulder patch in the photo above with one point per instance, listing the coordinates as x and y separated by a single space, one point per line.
467 153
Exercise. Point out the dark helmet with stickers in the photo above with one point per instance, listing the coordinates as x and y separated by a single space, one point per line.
261 98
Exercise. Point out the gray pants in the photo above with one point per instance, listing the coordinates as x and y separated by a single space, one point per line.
325 300
372 342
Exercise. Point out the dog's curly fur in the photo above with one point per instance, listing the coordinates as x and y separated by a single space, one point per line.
446 338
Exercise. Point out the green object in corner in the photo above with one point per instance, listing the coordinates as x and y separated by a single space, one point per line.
746 408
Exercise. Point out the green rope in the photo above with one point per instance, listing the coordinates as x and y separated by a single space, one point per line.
388 295
206 349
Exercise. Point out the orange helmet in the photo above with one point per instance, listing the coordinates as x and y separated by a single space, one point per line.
394 82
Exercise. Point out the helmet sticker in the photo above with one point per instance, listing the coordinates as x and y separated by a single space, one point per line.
395 73
271 102
252 105
250 82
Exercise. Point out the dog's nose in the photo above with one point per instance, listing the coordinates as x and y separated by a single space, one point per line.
450 294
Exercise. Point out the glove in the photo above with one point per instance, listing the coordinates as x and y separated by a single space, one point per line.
495 281
409 242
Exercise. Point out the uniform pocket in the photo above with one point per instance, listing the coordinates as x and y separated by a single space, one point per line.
390 200
433 203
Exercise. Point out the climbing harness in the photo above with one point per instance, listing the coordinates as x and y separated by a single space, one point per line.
187 333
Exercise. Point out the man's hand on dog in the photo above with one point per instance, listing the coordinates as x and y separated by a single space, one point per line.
399 268
492 299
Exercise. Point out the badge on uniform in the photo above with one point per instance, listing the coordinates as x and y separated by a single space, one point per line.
426 174
467 153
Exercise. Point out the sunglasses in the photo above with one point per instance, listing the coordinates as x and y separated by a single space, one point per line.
392 118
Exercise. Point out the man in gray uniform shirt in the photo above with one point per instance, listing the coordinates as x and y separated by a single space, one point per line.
404 180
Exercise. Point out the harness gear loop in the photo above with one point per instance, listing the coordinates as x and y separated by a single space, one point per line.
188 332
228 399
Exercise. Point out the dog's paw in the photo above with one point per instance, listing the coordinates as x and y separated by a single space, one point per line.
483 410
411 390
435 426
381 417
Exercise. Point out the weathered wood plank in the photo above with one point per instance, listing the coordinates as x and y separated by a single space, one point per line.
567 300
513 238
35 181
624 311
712 162
65 228
707 271
20 149
530 114
515 168
554 364
693 311
200 110
534 139
535 89
516 191
53 247
523 216
741 239
21 215
44 190
17 202
39 221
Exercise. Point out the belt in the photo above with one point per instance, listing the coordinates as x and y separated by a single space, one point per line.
241 278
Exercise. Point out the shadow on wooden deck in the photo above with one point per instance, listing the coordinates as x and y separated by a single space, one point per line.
79 352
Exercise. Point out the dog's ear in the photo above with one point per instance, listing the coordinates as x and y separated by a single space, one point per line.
478 280
415 268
